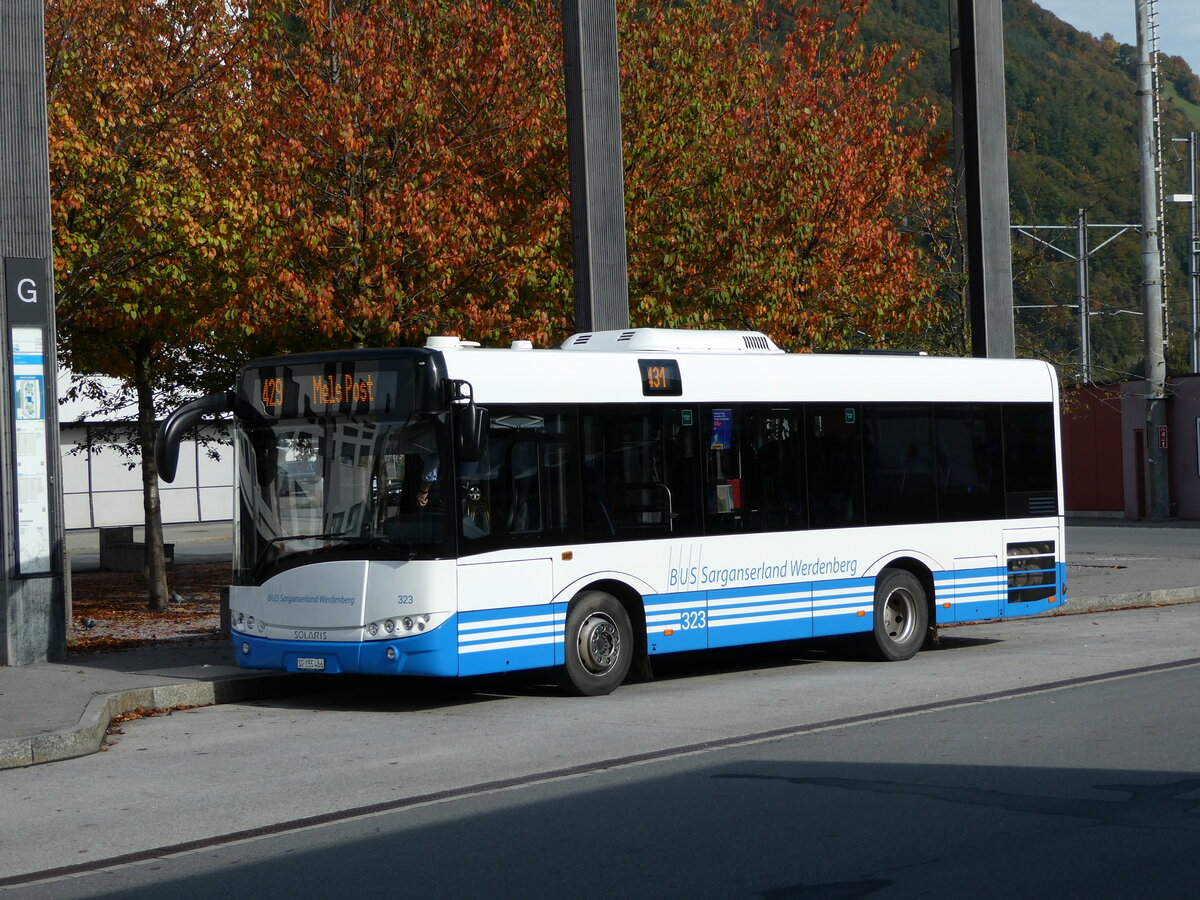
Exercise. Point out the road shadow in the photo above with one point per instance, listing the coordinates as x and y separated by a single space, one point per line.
762 827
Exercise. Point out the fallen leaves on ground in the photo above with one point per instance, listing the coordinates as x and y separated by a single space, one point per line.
148 712
109 609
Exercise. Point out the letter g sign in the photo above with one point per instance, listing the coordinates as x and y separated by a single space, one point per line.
27 290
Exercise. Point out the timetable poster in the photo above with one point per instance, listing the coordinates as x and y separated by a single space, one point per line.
33 471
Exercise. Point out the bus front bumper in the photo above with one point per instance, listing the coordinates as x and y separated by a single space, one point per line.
434 653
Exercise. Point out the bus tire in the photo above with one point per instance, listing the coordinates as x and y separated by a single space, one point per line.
598 644
901 616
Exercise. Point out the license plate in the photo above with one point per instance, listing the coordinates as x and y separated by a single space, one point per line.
310 663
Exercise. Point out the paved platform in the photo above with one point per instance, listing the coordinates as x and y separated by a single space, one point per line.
53 711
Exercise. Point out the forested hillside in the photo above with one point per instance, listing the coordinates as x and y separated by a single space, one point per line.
1072 137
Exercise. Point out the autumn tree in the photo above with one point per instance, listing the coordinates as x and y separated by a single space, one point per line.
395 141
770 171
144 102
413 164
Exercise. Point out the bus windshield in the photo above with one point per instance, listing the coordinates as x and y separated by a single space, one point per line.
353 478
335 484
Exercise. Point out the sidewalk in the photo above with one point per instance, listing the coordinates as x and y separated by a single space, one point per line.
53 711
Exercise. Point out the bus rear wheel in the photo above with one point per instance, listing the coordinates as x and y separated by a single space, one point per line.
901 616
598 644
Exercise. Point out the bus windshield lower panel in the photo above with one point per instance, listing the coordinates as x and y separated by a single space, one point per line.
336 487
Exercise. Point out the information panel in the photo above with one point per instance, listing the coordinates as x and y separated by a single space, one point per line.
33 471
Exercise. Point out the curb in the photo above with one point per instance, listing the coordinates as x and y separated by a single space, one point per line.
1135 599
88 735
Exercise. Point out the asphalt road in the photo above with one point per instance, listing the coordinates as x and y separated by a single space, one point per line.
1038 757
980 800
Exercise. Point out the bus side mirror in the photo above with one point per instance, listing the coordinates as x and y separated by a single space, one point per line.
179 423
470 422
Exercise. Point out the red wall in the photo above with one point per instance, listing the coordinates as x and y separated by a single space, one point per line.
1091 435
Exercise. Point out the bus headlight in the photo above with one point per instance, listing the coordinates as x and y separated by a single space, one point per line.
403 626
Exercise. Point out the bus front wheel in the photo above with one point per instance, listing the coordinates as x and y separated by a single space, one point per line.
598 644
901 616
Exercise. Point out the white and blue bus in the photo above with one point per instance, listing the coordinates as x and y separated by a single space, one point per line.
451 510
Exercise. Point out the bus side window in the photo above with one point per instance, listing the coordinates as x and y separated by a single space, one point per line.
1030 475
723 494
968 462
518 492
899 463
773 470
524 467
754 479
639 473
835 475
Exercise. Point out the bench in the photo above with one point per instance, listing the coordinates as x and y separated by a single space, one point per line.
119 552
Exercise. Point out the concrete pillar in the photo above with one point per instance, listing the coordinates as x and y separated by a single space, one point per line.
32 602
596 167
977 64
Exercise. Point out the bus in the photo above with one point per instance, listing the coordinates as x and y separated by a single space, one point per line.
454 510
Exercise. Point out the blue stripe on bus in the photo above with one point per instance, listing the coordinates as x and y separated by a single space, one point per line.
843 606
676 622
776 612
500 640
984 593
733 616
965 595
727 617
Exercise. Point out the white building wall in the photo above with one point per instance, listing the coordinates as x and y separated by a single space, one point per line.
100 490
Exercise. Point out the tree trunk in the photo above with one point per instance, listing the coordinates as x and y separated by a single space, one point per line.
155 568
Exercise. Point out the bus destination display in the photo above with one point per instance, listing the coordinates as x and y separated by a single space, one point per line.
285 392
660 378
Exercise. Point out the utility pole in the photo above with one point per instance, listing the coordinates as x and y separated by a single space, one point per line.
1193 253
1083 280
1083 253
1159 493
1193 257
596 169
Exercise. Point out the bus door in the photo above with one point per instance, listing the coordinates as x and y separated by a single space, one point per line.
753 487
504 621
515 502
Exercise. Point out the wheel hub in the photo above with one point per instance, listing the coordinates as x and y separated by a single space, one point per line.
897 615
599 643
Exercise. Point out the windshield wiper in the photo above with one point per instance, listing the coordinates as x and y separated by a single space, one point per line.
332 536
